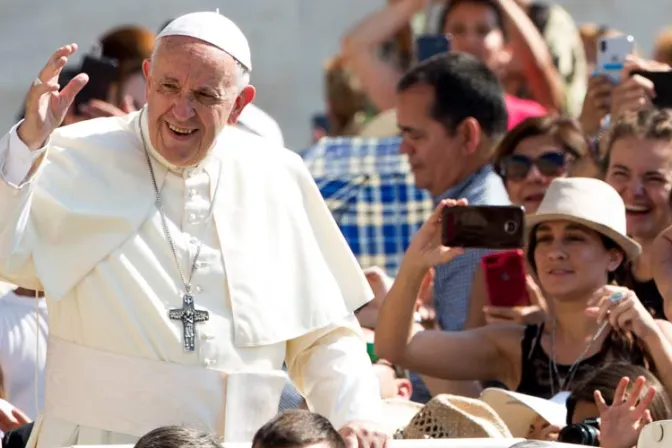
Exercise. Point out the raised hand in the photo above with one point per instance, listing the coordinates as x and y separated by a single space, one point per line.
622 421
46 107
623 310
426 250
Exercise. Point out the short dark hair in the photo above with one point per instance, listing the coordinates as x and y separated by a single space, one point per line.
451 5
297 428
177 437
463 87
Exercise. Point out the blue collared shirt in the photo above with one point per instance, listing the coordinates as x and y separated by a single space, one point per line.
452 284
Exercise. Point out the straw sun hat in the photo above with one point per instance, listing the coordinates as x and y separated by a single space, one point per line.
453 417
590 202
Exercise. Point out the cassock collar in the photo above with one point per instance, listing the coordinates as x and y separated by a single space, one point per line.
184 172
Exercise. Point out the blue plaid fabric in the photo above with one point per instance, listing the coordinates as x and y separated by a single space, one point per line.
370 190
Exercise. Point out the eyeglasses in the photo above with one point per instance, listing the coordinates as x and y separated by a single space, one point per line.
516 167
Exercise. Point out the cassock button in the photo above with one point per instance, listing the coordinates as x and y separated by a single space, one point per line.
192 217
194 240
199 289
192 193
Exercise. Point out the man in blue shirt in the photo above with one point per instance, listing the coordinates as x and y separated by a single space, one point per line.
451 113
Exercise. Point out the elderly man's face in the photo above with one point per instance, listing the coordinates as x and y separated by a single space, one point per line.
192 93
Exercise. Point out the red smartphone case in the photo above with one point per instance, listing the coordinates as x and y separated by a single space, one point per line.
505 278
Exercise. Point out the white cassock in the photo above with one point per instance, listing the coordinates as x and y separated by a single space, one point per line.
275 275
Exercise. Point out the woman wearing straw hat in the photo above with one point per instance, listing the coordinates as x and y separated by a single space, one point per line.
577 243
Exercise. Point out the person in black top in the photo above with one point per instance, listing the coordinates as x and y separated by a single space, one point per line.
577 242
638 164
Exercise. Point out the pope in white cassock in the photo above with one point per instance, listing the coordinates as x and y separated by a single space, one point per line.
183 260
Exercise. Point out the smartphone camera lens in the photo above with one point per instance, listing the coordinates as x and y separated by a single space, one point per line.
603 46
510 227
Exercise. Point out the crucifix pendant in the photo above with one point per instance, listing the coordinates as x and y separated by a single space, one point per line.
189 317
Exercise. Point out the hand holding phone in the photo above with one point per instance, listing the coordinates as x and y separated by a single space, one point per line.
102 74
662 86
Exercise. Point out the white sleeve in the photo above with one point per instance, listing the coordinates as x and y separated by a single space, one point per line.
331 368
16 159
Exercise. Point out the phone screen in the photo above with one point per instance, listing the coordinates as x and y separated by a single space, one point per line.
428 45
102 73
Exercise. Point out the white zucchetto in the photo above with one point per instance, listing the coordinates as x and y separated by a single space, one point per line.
215 29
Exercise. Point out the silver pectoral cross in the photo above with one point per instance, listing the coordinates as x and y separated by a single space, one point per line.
189 316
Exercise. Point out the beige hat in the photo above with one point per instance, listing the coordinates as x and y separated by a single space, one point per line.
520 411
453 417
589 202
215 29
656 435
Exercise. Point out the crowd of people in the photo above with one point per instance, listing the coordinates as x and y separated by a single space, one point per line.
175 277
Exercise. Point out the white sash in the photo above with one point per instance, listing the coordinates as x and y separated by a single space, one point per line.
133 396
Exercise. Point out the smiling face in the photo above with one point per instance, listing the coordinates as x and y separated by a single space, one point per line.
193 92
571 260
641 172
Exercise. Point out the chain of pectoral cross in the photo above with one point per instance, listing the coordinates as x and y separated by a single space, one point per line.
187 314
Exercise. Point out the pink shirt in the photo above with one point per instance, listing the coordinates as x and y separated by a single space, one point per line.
520 109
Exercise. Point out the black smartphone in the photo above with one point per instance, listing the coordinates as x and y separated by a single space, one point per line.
428 45
102 74
483 227
662 85
320 121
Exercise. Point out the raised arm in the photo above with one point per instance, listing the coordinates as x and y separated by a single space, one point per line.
546 84
361 47
22 151
480 354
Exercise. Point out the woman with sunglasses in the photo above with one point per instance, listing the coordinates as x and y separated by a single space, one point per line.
577 243
529 157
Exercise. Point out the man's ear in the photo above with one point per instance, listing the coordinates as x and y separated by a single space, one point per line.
404 388
469 135
244 98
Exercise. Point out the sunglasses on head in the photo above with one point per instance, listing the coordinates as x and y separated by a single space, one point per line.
550 164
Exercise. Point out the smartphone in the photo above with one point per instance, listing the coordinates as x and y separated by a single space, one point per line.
484 226
428 45
505 278
102 74
662 85
320 121
611 54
